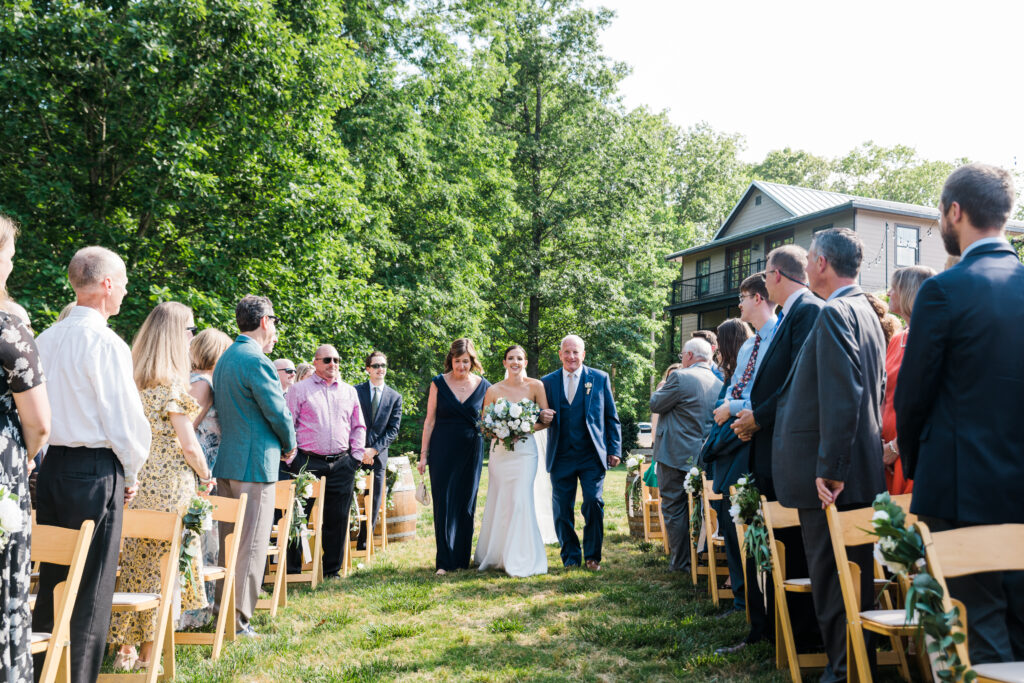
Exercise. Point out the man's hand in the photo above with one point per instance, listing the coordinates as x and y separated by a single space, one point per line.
722 414
367 457
546 416
289 456
745 426
129 493
828 490
372 452
890 452
614 460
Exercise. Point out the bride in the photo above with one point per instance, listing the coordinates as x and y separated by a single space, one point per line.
510 537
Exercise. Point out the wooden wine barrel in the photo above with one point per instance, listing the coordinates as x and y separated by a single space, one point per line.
403 511
635 516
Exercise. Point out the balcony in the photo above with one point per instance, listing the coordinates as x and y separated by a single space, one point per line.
712 286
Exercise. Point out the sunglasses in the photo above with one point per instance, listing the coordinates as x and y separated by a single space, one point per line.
378 366
288 371
192 329
273 318
329 360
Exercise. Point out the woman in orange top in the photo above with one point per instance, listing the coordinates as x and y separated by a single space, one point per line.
905 283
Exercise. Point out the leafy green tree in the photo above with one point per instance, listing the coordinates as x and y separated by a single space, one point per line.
794 167
894 173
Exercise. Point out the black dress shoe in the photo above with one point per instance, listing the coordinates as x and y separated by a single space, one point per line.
332 575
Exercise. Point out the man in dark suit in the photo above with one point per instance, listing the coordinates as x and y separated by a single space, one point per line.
827 445
785 278
956 402
584 440
382 413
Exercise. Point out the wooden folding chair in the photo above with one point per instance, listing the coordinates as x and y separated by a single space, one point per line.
380 529
312 572
69 548
277 552
972 550
157 526
741 536
364 515
717 565
848 529
231 511
650 504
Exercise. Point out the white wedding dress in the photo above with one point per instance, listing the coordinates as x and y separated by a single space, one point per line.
510 537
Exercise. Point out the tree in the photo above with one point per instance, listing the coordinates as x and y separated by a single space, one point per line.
794 167
893 173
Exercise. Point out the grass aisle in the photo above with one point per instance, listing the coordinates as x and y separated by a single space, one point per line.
395 620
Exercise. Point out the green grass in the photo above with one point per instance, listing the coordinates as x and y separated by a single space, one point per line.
395 620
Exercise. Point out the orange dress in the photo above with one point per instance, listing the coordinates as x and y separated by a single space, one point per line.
894 480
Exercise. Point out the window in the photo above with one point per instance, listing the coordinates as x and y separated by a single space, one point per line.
907 245
777 240
757 200
703 277
737 264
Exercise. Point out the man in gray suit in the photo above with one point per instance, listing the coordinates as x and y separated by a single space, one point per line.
827 446
684 407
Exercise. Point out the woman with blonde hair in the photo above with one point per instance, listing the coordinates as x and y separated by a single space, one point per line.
168 480
302 371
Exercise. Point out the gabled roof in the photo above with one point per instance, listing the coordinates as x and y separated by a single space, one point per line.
798 201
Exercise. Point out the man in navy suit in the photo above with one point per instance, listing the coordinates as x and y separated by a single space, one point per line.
584 440
382 413
957 398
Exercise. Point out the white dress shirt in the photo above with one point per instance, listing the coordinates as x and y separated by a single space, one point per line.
92 391
576 379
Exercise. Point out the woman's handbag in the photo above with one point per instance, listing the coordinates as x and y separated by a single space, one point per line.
423 492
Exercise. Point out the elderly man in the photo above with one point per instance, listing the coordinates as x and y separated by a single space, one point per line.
256 433
285 373
331 438
683 406
99 442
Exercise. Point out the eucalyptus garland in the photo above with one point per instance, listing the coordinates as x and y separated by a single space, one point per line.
901 550
197 520
746 509
693 485
300 521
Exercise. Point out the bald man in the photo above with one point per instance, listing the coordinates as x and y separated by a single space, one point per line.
285 373
331 436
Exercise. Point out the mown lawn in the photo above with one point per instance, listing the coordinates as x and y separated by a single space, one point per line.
395 620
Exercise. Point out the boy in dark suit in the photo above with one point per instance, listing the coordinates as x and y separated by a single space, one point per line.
382 413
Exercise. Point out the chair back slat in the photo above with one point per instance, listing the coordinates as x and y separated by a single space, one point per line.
53 544
153 524
776 516
976 549
857 524
709 484
226 509
284 493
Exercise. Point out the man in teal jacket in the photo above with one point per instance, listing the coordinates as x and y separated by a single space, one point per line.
256 433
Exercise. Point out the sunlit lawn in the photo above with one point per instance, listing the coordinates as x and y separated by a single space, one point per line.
395 620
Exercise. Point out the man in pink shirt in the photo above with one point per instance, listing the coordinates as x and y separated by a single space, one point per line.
331 436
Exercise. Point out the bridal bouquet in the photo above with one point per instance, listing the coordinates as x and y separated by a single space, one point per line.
509 422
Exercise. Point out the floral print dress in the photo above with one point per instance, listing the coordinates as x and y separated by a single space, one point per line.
19 371
167 483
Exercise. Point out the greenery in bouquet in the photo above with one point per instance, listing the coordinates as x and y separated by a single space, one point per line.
11 519
198 519
358 489
692 485
633 482
300 520
901 550
509 421
745 508
391 478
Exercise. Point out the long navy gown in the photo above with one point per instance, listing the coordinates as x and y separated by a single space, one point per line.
456 458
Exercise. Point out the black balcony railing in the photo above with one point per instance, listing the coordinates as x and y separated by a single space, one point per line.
713 285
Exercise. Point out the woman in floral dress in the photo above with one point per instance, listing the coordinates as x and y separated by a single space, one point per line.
24 428
204 353
168 480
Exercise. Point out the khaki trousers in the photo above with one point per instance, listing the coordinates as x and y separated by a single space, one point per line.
252 550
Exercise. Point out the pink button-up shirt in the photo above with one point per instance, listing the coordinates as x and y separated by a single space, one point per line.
327 417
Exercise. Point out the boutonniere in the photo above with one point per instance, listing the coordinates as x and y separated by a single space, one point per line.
588 385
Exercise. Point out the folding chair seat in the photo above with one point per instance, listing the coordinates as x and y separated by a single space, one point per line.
157 526
717 564
277 552
230 511
972 550
364 513
69 548
312 572
650 505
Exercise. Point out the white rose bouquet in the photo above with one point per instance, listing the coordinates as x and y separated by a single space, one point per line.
509 422
11 521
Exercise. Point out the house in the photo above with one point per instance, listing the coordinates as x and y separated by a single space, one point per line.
769 215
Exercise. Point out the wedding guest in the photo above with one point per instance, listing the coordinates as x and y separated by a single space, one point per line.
957 414
454 449
204 352
331 437
712 339
828 442
256 433
99 442
286 373
167 481
905 283
66 311
654 416
382 414
25 423
890 323
303 371
682 404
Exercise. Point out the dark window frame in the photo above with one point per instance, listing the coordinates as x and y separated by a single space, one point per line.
783 237
897 247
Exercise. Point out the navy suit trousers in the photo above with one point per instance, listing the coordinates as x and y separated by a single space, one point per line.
565 472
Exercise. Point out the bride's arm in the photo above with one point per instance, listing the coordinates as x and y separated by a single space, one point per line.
489 398
540 397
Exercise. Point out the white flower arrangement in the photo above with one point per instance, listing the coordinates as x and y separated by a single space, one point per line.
692 482
11 518
509 422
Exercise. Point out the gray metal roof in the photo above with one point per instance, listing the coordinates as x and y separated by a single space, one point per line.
801 201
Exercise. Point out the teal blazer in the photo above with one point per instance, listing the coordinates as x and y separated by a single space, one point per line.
255 423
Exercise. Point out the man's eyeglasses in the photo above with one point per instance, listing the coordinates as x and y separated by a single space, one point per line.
273 318
328 360
192 329
793 279
287 371
378 366
743 297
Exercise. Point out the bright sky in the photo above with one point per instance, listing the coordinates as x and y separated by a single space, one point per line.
944 77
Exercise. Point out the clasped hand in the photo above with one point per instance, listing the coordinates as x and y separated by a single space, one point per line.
745 426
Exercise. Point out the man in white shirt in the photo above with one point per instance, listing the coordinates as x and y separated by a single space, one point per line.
99 441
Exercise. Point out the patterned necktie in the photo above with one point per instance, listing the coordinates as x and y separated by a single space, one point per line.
374 404
748 372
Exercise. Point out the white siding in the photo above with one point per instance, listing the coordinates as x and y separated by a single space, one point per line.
751 216
878 232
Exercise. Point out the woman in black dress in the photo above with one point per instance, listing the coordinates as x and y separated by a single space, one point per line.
24 428
454 448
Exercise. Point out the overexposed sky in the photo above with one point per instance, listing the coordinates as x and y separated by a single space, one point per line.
944 77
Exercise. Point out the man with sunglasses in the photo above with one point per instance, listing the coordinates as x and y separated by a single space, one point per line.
382 413
331 439
285 373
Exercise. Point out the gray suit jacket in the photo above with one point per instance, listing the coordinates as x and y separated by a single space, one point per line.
829 419
684 408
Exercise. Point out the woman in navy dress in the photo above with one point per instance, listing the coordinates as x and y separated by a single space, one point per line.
454 448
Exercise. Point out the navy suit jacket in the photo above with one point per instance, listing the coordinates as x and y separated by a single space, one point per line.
383 431
599 407
958 418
